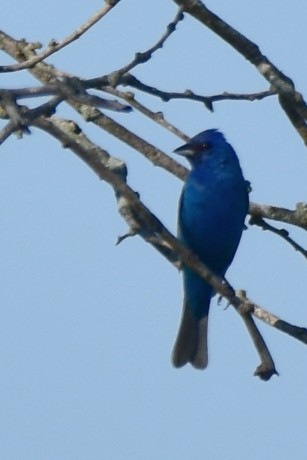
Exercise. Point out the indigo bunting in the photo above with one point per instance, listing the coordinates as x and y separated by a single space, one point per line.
212 210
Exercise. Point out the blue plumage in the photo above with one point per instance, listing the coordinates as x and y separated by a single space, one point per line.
212 210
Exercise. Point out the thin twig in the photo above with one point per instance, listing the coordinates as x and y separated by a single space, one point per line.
67 88
283 233
31 91
157 117
56 46
130 80
142 57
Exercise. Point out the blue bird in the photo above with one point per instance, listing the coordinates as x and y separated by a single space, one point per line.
212 210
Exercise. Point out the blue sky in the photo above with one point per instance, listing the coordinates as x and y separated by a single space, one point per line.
86 327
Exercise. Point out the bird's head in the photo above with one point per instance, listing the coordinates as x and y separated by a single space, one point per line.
204 145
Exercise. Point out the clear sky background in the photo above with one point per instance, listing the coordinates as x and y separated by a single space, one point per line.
86 328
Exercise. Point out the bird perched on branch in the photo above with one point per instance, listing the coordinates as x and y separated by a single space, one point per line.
212 210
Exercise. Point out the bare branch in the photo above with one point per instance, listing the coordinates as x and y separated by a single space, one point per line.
67 88
283 233
298 217
299 333
45 72
152 153
141 58
130 80
291 100
226 96
157 117
266 368
56 46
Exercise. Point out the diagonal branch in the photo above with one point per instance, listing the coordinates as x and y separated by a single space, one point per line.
299 333
156 156
56 46
291 100
142 57
283 233
157 117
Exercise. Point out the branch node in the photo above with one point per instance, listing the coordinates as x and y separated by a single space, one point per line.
245 306
33 46
141 58
53 42
118 167
159 116
121 238
301 212
114 78
130 95
89 113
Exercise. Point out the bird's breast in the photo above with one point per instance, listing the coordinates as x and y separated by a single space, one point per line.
211 219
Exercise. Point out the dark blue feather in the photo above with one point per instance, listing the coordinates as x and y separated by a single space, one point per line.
212 210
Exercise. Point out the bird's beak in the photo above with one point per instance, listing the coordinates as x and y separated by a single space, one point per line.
186 150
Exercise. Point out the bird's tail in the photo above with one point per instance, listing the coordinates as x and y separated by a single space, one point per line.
191 342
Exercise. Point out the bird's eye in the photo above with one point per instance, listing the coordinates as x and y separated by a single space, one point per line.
206 146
